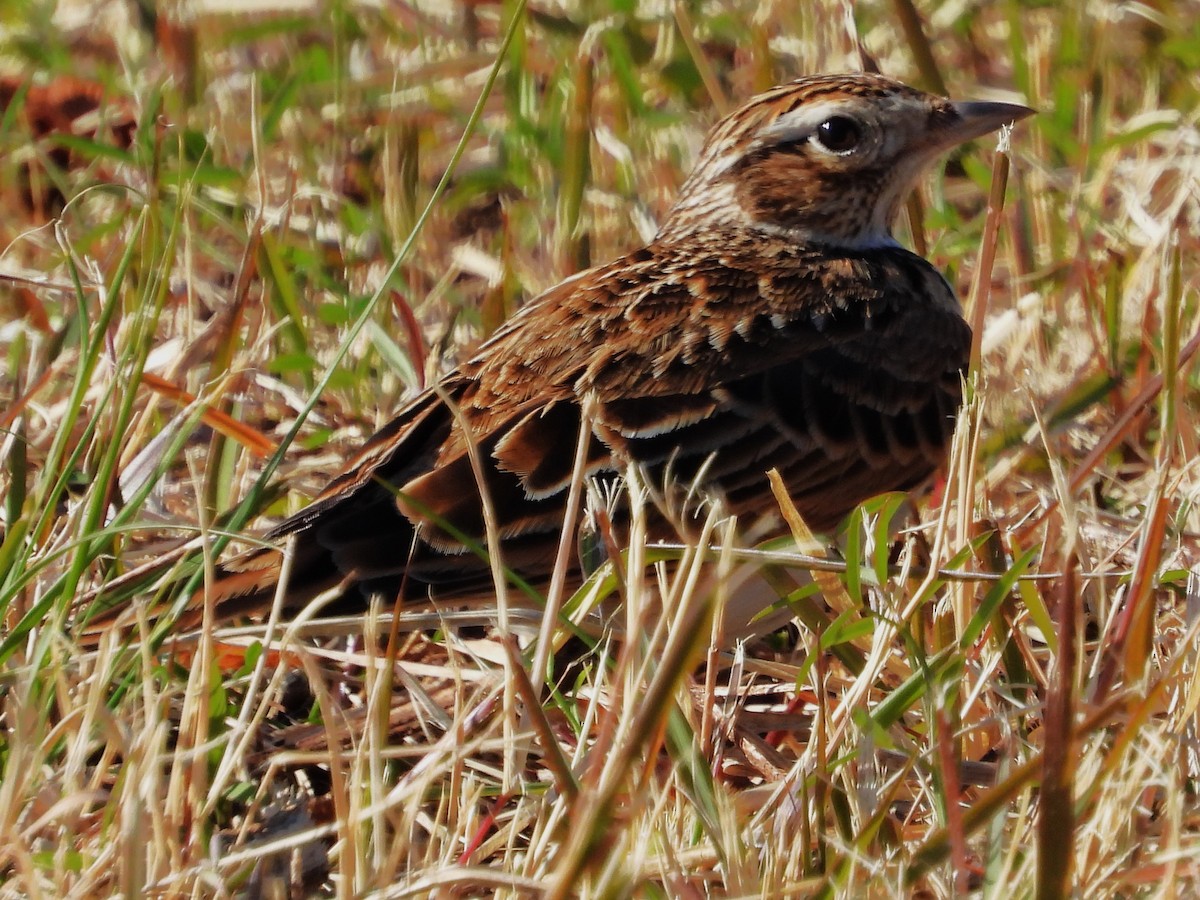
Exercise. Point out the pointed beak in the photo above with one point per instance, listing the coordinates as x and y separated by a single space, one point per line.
974 118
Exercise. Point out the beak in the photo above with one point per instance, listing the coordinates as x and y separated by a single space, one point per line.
974 118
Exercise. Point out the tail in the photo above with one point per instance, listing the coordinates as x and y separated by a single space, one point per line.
243 587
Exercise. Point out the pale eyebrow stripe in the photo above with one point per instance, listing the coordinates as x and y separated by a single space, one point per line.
799 123
795 124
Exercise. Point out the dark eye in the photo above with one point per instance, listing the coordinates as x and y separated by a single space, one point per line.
838 134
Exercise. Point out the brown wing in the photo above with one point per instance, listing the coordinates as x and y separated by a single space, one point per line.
842 372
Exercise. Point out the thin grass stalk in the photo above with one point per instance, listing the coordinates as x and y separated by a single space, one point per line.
188 779
552 753
818 859
695 584
636 657
576 168
1056 809
918 43
951 796
716 642
712 84
127 369
222 358
562 558
136 829
369 759
21 767
495 556
1139 601
15 605
970 427
977 303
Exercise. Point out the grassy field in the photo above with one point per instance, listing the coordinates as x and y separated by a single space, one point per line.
269 228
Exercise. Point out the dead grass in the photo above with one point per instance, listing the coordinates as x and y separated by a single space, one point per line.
202 315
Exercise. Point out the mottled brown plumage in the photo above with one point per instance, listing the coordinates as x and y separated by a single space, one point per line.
772 323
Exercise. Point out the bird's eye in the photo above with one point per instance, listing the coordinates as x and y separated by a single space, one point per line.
838 134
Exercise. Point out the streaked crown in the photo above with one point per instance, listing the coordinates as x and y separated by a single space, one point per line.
827 158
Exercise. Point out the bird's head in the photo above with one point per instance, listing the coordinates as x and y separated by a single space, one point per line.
827 158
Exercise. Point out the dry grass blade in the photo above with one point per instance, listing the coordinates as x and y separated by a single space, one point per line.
252 439
1056 809
977 301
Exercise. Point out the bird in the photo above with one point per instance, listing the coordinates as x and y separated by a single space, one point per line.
773 322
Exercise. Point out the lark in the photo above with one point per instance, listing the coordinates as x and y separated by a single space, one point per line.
774 322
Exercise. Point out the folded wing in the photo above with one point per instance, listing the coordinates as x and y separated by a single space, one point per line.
842 372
